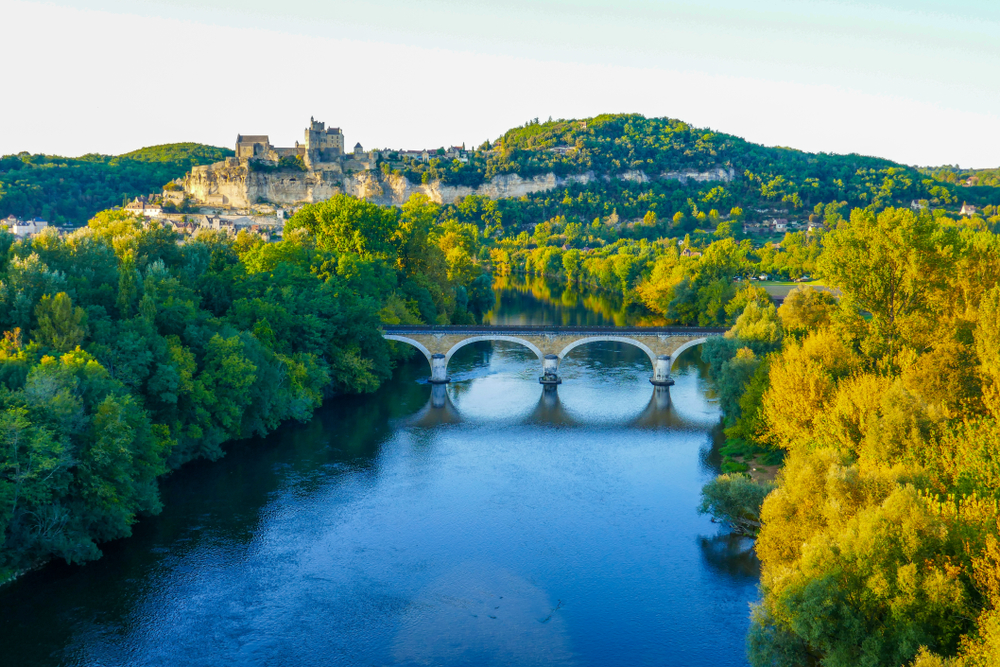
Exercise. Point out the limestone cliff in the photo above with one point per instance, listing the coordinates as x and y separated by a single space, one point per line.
234 183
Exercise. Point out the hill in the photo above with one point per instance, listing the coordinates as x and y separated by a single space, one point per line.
635 158
68 191
638 166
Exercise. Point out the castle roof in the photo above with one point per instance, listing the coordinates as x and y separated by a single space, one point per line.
357 145
253 139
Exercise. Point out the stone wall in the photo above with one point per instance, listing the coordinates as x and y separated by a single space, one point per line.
241 187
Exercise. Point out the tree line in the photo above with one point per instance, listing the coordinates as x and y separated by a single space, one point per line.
880 540
126 353
69 191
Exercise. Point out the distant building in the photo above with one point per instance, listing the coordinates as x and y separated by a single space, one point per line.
142 206
780 225
917 206
24 229
967 209
252 145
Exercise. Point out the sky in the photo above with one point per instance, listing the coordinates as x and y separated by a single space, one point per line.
914 81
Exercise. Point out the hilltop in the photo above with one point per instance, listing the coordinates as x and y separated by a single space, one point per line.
623 165
68 191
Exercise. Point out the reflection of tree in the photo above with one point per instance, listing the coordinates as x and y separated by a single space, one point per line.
537 301
731 555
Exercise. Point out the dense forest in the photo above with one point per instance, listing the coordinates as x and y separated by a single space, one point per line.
127 354
764 180
879 542
68 191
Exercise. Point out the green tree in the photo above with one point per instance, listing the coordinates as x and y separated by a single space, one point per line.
735 499
888 264
61 327
806 308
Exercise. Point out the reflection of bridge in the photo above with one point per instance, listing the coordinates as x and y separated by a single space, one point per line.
551 344
549 410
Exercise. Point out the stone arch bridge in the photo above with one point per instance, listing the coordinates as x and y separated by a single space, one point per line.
550 343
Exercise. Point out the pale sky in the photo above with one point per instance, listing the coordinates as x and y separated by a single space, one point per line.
917 81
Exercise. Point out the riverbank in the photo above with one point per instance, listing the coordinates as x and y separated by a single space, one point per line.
390 530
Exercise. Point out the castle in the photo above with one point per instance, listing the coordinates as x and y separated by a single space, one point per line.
321 168
323 150
308 172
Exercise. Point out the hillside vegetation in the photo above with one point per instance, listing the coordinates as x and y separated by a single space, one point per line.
125 354
766 181
771 178
68 191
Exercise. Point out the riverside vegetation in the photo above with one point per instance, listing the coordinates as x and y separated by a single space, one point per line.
880 537
126 355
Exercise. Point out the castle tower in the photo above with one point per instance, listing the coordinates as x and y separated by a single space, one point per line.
322 144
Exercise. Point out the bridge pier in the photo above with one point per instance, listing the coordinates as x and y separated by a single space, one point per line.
550 370
661 372
439 369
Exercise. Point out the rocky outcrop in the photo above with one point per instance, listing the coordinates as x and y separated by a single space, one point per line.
234 183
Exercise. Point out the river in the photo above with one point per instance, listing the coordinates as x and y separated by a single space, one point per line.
512 526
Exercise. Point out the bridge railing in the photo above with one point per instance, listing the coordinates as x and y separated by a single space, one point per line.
537 329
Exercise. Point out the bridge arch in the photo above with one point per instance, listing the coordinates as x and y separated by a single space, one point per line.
492 337
677 353
610 339
409 341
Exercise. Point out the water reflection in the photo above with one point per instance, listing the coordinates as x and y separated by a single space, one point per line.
524 301
484 522
658 413
731 555
479 614
437 411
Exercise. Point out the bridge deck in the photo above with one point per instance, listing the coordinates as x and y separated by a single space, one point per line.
546 329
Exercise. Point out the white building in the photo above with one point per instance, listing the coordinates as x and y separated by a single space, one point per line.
140 206
23 229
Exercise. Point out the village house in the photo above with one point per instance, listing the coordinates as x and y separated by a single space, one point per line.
779 225
23 229
143 206
967 209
